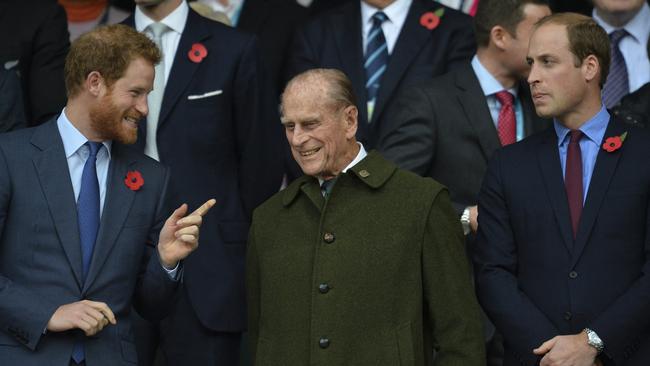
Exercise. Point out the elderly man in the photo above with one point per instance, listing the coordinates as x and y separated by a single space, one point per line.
356 262
81 214
564 228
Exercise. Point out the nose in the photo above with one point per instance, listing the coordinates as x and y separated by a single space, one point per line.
533 75
297 137
142 106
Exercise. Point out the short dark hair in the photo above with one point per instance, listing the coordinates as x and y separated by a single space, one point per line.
506 13
108 50
585 37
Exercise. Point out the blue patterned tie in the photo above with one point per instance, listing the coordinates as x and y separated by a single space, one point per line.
617 84
88 216
376 58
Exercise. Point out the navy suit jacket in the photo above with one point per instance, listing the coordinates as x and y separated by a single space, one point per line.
40 251
226 146
334 40
535 281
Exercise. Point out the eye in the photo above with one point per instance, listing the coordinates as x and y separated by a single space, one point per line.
310 125
529 61
289 126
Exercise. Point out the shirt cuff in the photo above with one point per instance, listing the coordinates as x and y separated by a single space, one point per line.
172 273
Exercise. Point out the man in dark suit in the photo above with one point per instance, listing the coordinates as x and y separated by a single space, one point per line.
449 127
34 41
217 128
356 262
564 217
384 46
81 216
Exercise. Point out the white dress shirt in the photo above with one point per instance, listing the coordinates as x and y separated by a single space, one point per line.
634 47
396 13
360 156
175 21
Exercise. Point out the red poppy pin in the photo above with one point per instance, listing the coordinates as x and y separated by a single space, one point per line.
197 53
134 180
614 143
430 20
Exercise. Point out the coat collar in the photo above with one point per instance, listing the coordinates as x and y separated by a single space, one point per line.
373 171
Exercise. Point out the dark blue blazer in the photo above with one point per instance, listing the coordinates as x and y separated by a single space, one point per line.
535 281
334 40
226 146
40 252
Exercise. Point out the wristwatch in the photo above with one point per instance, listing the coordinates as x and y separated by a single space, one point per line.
464 220
594 340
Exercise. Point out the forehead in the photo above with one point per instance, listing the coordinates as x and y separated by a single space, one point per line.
548 39
304 96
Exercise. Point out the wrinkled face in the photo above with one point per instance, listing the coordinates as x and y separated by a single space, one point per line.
557 86
321 136
517 47
618 6
122 105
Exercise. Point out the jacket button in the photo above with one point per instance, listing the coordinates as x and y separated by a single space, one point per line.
323 342
568 316
323 288
329 238
573 274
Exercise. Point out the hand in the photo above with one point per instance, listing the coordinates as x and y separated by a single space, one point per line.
89 316
569 350
473 218
180 235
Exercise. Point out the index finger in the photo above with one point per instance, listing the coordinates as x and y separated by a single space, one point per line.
104 309
205 207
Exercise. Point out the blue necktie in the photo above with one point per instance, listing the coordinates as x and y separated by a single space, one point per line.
88 216
376 58
617 85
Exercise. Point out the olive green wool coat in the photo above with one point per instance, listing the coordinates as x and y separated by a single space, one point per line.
376 275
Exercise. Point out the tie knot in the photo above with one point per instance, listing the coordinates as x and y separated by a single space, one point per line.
158 29
378 18
93 147
505 98
576 135
616 36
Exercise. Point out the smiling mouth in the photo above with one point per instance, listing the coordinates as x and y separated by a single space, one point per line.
132 121
309 152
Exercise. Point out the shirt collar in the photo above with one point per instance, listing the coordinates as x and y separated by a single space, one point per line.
489 83
396 12
638 27
360 156
72 138
175 20
594 128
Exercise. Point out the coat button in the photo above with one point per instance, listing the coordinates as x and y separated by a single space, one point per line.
323 342
364 173
323 288
568 316
573 274
329 238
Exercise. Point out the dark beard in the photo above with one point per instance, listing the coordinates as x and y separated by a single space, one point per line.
106 121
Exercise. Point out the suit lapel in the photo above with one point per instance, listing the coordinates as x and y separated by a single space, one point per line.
117 205
474 104
52 168
346 25
604 169
183 69
549 163
409 44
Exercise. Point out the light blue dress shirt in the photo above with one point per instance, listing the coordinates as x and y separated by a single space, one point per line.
76 154
590 144
490 87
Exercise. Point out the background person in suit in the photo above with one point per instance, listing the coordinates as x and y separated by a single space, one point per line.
34 41
449 127
356 262
217 128
628 24
73 254
563 235
417 39
12 112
